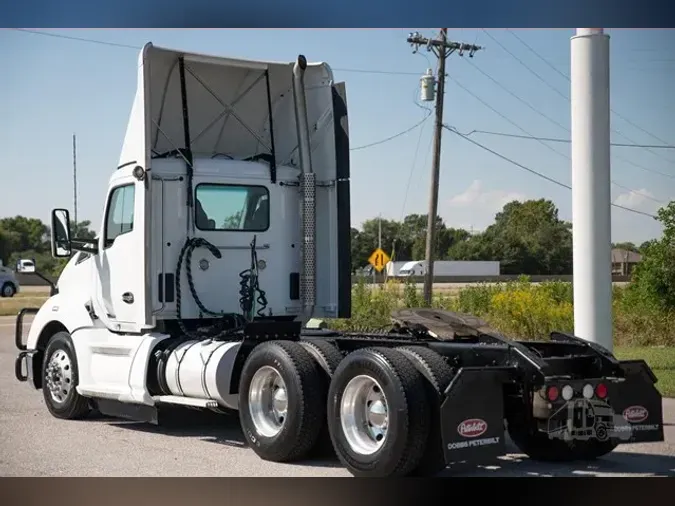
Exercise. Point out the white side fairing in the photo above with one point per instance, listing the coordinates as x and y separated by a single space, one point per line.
122 295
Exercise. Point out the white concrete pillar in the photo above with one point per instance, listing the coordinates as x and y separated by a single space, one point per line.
591 198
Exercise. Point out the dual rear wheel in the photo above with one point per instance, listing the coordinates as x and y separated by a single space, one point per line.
376 408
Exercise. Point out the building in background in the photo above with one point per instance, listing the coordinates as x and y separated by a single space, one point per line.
624 261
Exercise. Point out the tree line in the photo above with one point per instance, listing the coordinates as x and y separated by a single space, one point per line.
526 237
22 237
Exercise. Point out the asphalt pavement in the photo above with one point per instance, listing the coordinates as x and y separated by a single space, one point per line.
33 443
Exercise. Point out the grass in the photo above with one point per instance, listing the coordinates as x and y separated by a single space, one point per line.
30 296
661 360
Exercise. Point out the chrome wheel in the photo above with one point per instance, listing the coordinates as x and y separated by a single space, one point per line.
59 376
364 415
7 290
268 401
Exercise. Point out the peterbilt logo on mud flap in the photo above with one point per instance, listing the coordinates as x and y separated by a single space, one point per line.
635 414
473 427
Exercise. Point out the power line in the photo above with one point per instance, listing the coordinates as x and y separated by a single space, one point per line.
552 139
521 100
538 55
369 71
532 171
384 72
393 136
525 65
626 160
567 141
532 137
80 39
128 46
564 75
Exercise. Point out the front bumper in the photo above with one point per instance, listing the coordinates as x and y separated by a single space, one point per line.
26 357
24 361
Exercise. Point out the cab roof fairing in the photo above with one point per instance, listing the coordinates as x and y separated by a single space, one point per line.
227 104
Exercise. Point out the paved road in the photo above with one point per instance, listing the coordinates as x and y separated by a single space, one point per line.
33 443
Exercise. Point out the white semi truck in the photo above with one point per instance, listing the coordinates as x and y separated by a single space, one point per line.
451 268
225 229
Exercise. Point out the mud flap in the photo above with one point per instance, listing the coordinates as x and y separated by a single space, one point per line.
639 404
472 414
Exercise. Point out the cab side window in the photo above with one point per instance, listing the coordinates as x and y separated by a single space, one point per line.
120 214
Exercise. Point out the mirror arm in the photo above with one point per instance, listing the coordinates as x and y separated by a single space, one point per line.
52 287
85 245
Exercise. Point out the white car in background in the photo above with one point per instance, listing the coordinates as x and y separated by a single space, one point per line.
25 265
9 285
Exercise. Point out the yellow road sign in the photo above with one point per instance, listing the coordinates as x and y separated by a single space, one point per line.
379 259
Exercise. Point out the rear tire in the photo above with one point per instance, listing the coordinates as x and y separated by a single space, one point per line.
328 357
438 375
280 408
59 379
378 413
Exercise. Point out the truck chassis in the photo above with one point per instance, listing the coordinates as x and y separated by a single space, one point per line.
437 388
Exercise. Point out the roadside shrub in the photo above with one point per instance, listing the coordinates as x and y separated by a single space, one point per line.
477 300
518 308
530 313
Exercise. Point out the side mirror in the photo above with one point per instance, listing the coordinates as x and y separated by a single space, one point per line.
60 236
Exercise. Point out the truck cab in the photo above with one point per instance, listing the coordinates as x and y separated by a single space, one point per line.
230 202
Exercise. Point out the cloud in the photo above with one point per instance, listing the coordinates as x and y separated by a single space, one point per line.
640 200
475 195
476 207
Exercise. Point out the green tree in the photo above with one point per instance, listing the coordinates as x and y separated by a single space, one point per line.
26 233
526 238
628 246
653 281
82 230
365 241
22 237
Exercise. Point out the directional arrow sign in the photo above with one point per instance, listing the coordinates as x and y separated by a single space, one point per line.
379 259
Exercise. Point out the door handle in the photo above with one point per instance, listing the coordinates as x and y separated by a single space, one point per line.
128 297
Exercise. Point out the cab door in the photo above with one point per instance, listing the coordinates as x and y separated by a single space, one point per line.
120 266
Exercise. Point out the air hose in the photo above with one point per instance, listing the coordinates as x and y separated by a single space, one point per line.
249 286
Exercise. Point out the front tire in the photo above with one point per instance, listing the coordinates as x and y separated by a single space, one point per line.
8 290
378 413
59 379
280 409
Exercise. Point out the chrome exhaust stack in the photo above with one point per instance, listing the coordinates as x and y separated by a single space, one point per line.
308 189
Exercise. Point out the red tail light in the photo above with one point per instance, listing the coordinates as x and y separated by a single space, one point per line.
601 391
552 393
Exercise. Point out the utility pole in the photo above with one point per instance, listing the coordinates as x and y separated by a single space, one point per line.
74 181
442 48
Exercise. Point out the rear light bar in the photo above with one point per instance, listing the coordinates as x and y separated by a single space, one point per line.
567 392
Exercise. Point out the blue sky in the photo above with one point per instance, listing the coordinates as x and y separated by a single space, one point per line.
53 87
